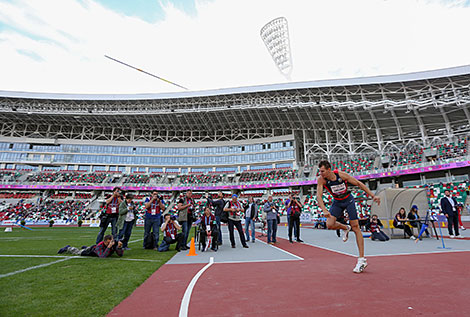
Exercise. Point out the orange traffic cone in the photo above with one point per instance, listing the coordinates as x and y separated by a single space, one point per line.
192 249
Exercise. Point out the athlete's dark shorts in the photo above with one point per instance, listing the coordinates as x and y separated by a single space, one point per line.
338 207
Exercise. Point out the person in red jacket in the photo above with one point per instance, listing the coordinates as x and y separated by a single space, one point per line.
104 249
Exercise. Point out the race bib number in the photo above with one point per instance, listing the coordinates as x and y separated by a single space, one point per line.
154 211
338 189
173 236
113 210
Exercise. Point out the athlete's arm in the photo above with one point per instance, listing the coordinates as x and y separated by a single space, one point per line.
321 204
351 180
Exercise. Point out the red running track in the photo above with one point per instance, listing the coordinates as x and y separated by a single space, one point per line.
321 285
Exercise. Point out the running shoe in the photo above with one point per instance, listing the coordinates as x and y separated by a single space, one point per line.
360 266
346 233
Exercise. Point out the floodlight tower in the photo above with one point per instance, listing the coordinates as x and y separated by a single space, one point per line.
275 35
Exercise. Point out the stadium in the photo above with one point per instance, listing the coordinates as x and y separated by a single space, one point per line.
62 155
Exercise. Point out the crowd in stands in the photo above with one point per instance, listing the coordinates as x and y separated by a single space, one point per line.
268 176
9 175
353 165
201 178
8 195
138 179
69 210
451 150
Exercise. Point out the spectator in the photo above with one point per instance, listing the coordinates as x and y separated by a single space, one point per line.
111 214
219 209
170 229
154 207
296 210
400 223
375 226
271 216
103 249
288 209
235 210
459 210
208 228
251 214
126 220
449 208
186 208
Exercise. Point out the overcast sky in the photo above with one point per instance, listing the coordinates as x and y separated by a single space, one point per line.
59 45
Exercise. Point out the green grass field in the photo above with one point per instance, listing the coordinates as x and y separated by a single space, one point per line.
76 286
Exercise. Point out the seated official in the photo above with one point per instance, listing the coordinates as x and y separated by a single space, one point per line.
400 222
375 227
413 217
208 228
170 229
103 249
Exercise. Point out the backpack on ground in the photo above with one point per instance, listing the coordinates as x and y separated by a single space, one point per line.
149 242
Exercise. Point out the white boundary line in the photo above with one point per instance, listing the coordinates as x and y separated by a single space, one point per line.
33 267
414 253
328 249
256 261
135 240
73 257
287 252
187 294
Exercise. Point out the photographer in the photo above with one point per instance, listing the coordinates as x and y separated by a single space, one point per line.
271 216
170 229
219 209
103 249
126 220
251 213
111 215
154 207
186 215
294 219
375 226
208 229
235 210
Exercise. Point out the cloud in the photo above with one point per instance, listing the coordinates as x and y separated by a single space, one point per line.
59 46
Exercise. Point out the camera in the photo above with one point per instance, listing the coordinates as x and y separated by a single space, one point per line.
173 217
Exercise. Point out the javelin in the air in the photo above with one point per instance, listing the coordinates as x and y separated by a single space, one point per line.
143 71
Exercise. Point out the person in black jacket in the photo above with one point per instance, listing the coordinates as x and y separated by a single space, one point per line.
251 213
218 205
449 208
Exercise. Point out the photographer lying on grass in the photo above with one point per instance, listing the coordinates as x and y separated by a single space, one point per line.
103 249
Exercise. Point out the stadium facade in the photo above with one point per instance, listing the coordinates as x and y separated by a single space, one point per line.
293 125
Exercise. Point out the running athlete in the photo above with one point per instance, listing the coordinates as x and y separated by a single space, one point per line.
337 185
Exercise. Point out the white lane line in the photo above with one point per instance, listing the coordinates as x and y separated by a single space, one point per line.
187 294
73 257
32 268
291 254
135 240
424 252
328 249
256 261
32 256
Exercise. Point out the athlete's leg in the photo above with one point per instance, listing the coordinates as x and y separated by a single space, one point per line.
335 211
354 223
359 238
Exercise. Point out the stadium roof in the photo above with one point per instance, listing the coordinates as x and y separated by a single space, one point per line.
384 79
331 116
